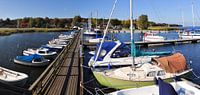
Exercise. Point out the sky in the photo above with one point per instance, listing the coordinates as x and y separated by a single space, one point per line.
163 11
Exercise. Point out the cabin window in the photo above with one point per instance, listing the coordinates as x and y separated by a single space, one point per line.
151 74
41 52
160 73
122 51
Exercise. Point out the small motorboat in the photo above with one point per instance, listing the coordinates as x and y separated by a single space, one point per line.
62 36
61 40
54 46
96 40
12 77
190 33
32 60
57 42
152 37
118 54
45 52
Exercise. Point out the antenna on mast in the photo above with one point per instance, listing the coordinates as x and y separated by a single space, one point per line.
193 22
182 16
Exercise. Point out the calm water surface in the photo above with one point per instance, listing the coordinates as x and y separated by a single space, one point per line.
13 45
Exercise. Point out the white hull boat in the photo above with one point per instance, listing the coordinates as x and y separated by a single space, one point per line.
117 53
190 33
153 38
181 88
54 46
90 33
12 77
95 40
32 60
41 51
66 37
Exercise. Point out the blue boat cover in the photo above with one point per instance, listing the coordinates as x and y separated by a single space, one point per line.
107 46
165 88
28 58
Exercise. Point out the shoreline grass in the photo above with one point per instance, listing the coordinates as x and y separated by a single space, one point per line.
9 31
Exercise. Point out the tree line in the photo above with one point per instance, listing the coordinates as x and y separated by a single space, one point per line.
28 22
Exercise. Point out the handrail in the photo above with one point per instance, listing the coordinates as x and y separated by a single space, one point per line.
54 67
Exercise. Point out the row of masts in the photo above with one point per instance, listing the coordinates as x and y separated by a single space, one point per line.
193 17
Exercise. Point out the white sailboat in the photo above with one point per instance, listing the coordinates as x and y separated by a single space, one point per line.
89 31
190 32
118 54
152 37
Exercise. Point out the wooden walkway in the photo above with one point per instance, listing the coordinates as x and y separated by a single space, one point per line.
67 81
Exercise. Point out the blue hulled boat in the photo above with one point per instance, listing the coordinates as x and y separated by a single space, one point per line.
31 60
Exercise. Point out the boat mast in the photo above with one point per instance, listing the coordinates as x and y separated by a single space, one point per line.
182 15
132 34
193 22
90 22
96 19
105 32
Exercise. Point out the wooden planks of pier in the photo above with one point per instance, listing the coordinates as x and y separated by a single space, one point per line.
68 78
63 75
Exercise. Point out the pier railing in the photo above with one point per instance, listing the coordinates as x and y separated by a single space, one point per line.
45 79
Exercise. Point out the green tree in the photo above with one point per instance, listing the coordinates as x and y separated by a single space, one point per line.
142 22
76 21
115 22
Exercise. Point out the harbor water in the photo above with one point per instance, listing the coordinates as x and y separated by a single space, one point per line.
13 45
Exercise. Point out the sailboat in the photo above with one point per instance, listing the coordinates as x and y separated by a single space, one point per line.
116 53
143 74
190 32
140 74
89 31
153 37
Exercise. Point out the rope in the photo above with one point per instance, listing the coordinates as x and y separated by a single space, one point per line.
89 81
86 89
195 75
85 66
97 90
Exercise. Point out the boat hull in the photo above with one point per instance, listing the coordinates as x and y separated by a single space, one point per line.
125 84
13 77
39 64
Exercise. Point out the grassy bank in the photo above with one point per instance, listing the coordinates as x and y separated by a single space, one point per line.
159 28
8 31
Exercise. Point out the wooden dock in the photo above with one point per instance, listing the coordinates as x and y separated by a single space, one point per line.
63 76
146 44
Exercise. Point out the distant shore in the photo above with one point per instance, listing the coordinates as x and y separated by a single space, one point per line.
8 31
